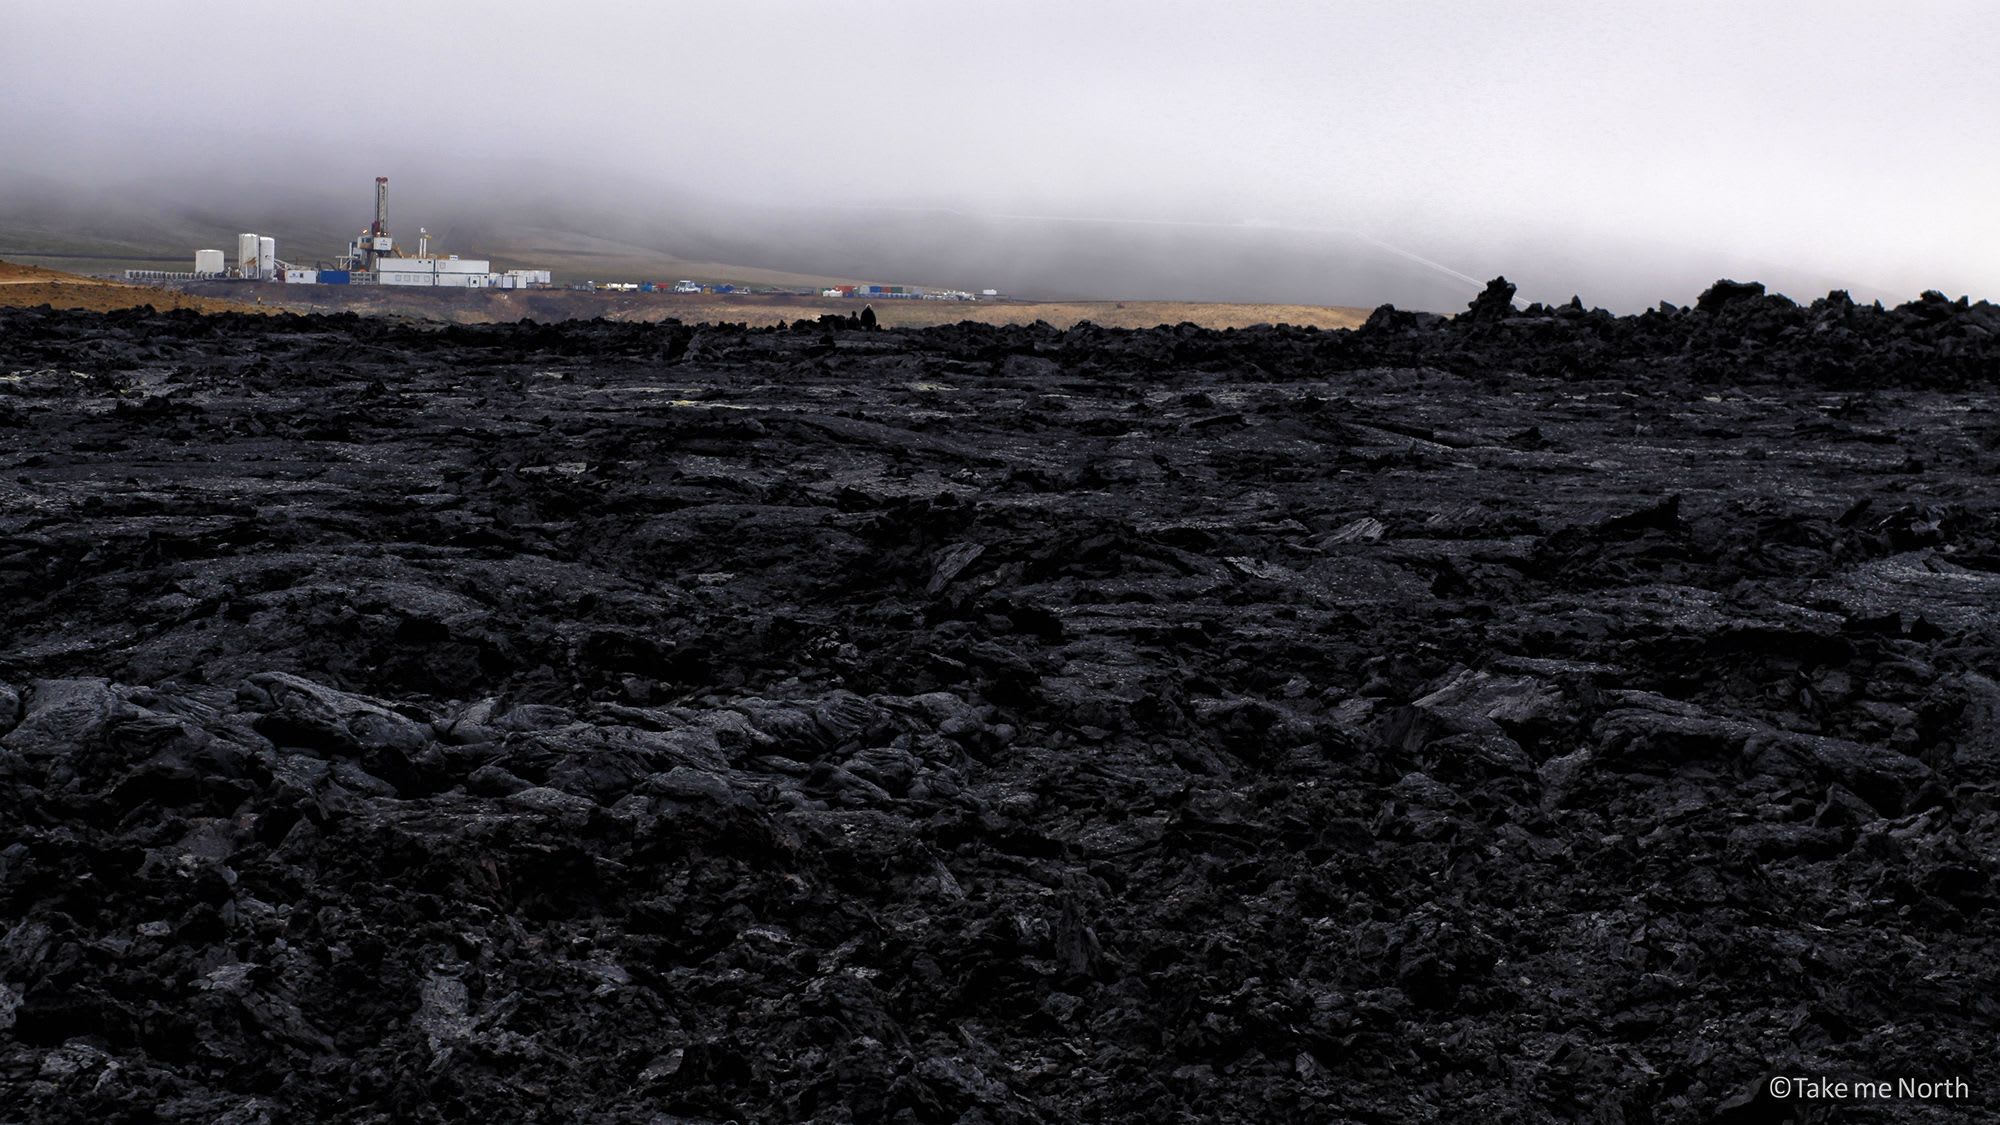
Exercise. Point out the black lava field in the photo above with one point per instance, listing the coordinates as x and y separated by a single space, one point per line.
1529 715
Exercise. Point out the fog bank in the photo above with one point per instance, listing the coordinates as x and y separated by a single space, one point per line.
1261 152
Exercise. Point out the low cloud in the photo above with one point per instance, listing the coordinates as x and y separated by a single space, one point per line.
1259 152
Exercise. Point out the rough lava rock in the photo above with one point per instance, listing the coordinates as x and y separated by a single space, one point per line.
1495 302
1524 716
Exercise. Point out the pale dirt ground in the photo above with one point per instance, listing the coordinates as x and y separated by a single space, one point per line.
1061 314
472 307
29 286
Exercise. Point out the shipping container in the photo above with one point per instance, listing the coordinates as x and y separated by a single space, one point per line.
333 277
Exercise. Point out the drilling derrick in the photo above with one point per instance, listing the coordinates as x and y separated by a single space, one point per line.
375 243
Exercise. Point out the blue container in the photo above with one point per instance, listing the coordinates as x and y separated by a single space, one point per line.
333 277
645 287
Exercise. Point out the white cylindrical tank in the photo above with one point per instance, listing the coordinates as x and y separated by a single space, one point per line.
267 256
246 253
209 261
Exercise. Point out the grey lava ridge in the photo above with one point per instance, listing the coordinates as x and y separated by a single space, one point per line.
1528 715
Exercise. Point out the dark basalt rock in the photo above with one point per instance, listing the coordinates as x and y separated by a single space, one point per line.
1496 302
1526 715
1725 293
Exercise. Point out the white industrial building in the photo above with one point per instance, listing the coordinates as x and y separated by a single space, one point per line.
453 271
371 259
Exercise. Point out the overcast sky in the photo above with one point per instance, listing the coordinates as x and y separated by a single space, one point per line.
1850 141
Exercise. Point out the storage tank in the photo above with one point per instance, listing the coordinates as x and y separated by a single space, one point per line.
246 253
267 257
210 261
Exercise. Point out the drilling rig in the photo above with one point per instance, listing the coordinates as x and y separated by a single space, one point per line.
373 258
375 242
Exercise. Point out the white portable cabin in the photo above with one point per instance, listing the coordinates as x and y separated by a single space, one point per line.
455 273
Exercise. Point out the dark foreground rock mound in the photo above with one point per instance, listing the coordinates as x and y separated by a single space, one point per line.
1536 715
